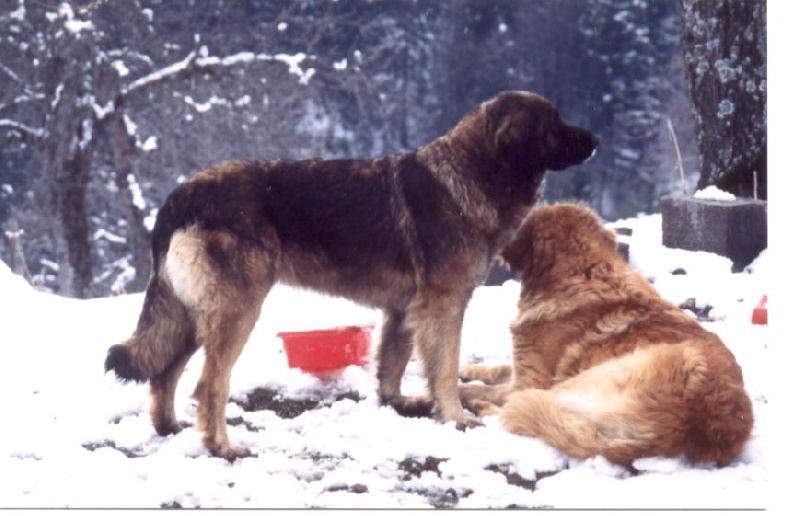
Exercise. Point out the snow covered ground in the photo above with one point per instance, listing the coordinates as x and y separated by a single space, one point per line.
74 437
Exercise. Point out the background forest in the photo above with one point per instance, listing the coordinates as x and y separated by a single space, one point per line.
106 105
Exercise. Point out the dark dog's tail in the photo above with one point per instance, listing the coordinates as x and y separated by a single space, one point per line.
163 333
165 329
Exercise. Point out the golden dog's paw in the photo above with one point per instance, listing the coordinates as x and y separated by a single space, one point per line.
488 374
471 372
466 422
482 408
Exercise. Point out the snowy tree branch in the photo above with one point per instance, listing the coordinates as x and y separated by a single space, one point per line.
26 131
198 61
11 74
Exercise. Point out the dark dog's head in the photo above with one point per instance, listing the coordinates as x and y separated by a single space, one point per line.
561 238
527 130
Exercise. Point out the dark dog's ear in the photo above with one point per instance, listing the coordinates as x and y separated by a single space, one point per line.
511 134
508 116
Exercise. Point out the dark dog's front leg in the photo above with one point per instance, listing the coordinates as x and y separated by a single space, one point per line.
436 319
393 355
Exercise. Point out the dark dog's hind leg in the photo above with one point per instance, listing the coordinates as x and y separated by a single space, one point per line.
162 393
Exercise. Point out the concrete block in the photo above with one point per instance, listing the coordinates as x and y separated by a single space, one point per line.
736 229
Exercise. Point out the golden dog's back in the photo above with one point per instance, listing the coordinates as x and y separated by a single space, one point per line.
603 365
659 400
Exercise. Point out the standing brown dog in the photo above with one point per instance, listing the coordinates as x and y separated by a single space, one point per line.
412 233
602 365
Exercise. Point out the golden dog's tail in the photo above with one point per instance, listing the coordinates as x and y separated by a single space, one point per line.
679 403
163 333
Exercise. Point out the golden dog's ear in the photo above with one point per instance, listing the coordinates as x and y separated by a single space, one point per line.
518 251
609 238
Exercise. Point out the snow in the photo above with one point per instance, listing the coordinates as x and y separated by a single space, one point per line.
136 192
102 234
725 108
293 61
201 58
74 437
19 13
14 125
121 68
101 112
726 71
70 23
712 193
57 96
150 220
160 74
150 144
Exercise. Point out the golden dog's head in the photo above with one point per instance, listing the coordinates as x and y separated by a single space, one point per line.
562 238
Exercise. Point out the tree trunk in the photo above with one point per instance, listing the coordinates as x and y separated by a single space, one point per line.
17 263
726 61
72 241
125 153
67 165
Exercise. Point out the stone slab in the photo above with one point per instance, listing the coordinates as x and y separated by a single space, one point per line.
736 229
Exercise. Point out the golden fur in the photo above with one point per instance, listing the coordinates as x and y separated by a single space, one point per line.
412 234
602 365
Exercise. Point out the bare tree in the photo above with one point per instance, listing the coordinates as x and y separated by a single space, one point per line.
76 94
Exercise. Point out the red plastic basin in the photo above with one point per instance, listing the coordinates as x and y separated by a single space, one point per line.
328 349
760 312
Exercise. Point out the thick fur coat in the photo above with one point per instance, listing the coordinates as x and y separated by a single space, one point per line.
602 365
412 234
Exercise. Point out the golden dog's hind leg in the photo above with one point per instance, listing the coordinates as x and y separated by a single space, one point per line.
484 399
488 374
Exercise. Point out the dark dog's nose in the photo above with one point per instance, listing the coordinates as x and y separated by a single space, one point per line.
595 143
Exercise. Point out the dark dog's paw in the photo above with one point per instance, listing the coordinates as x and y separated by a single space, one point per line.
410 406
231 452
171 427
237 452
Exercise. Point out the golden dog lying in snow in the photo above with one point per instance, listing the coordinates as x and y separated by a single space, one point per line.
602 365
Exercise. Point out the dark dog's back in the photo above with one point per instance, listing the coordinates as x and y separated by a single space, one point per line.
412 234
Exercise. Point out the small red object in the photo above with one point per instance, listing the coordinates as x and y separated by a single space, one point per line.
329 349
760 311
